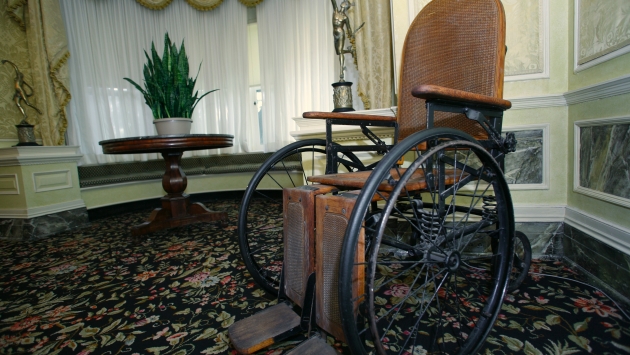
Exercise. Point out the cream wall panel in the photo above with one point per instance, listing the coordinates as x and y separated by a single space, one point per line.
557 35
107 195
52 180
39 197
602 31
527 26
555 119
9 184
604 71
536 46
13 200
616 106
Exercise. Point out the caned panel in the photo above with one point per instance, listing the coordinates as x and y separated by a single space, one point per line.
333 213
299 238
455 45
295 259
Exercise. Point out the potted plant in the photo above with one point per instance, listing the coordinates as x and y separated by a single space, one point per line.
168 90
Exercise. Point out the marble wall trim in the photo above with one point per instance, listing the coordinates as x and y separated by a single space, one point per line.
544 237
613 235
528 167
29 229
604 266
601 166
41 210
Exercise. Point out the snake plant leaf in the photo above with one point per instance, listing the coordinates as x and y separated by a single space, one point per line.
168 89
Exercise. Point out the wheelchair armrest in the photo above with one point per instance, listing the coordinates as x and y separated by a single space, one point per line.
347 116
429 92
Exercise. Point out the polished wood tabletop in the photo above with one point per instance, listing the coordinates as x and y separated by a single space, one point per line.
157 144
176 210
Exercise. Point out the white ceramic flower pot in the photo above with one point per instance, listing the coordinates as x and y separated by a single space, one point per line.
172 126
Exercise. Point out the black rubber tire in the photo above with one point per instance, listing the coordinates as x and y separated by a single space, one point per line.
445 256
260 223
522 260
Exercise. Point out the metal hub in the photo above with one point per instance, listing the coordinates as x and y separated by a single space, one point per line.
453 261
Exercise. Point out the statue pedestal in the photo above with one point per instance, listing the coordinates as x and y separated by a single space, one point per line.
342 96
26 135
39 192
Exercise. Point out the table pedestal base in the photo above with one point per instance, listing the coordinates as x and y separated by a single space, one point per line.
177 211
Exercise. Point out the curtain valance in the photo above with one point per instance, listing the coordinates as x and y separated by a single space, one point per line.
201 5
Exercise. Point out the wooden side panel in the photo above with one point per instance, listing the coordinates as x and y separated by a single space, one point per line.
333 213
299 238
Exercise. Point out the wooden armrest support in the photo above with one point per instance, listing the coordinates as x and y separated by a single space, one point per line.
429 92
347 116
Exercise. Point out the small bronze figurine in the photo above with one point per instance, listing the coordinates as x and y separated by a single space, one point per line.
339 21
20 92
342 90
26 135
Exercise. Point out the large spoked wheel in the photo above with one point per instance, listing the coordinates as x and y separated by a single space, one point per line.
260 223
522 260
429 264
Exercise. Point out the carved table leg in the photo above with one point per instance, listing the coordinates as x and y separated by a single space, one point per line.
176 207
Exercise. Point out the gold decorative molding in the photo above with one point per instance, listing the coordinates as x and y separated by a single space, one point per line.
251 3
16 12
200 5
155 4
204 5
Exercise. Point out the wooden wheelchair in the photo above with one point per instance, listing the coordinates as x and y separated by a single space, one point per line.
411 254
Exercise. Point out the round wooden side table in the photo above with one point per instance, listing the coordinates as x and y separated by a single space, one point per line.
176 208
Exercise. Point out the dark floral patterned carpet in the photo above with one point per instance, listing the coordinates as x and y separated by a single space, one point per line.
98 290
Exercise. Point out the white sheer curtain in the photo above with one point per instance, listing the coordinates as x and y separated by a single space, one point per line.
296 63
107 40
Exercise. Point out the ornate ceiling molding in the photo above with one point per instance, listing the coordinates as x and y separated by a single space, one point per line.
155 4
204 5
201 5
250 3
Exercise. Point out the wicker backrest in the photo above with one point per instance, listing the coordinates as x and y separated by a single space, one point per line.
459 44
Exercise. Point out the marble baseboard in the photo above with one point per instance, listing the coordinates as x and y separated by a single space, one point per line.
608 267
545 237
27 229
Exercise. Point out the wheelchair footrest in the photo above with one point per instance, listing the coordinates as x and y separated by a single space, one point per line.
264 328
315 346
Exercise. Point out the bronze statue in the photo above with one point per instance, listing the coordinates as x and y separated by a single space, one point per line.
20 92
339 21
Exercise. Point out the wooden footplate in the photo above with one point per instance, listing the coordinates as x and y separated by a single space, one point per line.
264 328
280 322
314 346
312 248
